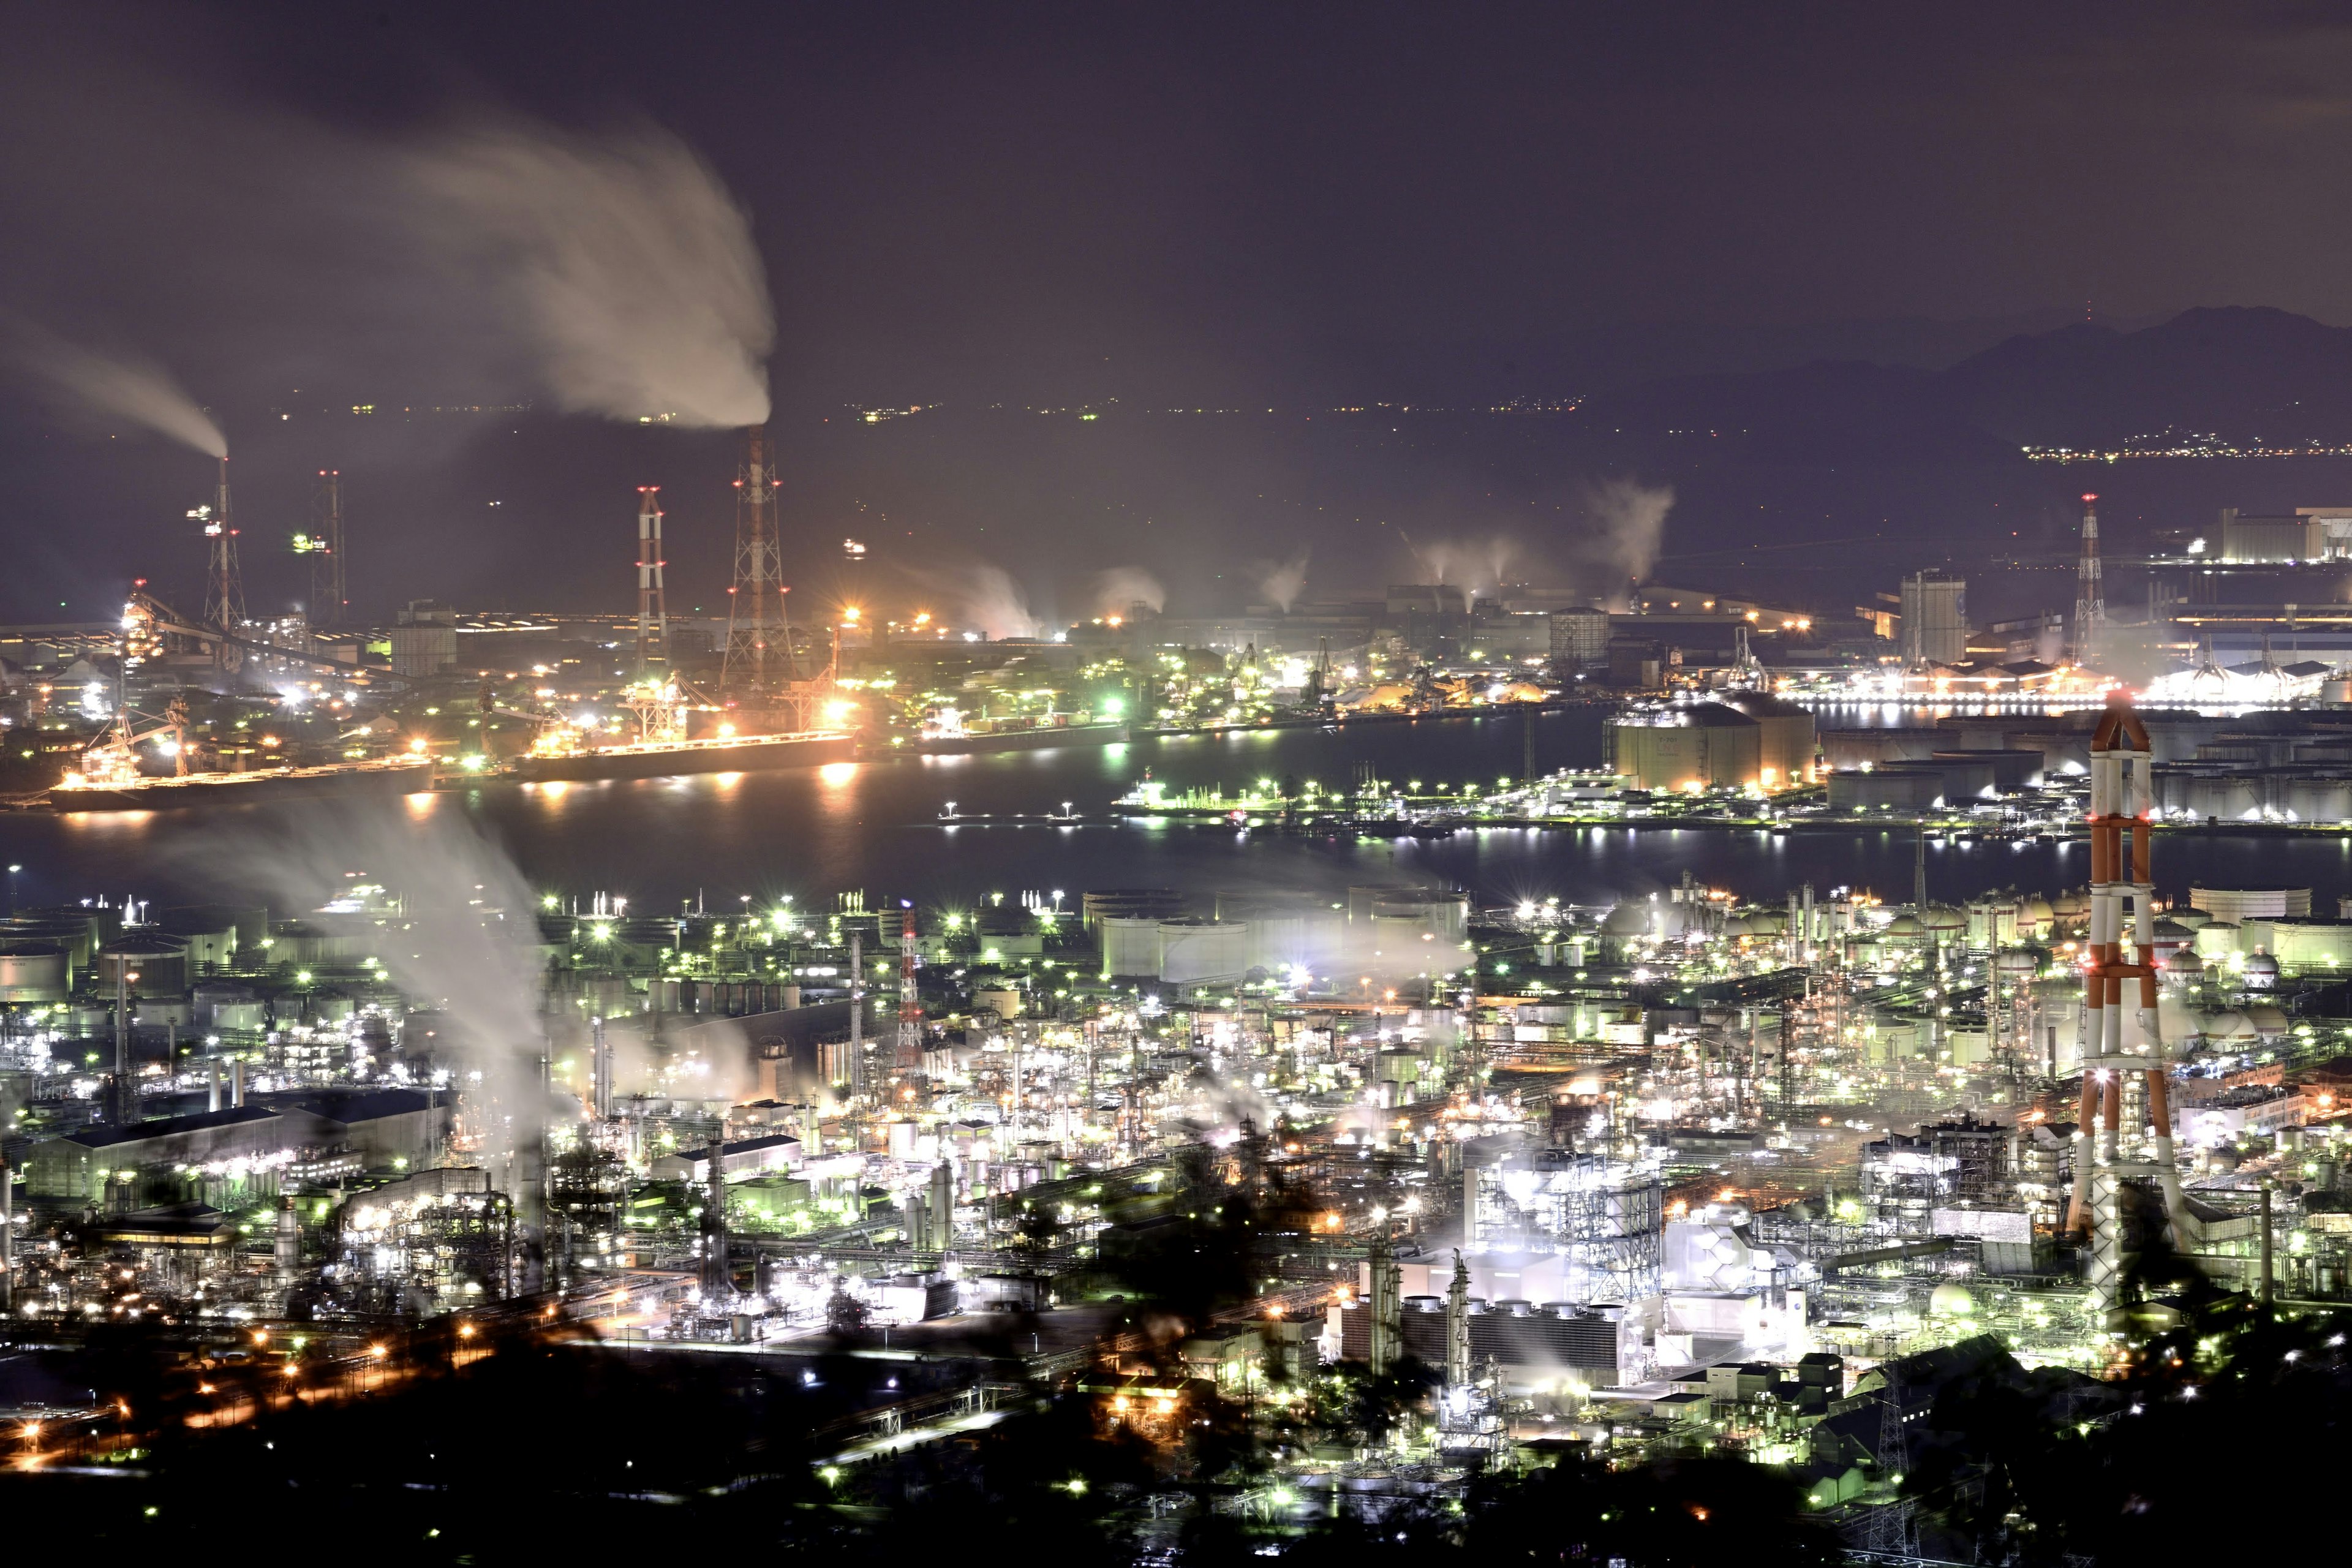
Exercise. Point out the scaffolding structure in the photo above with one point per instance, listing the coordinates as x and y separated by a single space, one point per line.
1604 1217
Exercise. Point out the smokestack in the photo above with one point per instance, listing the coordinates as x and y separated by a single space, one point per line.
857 1027
718 1285
1384 1299
289 1249
1457 1325
531 1182
125 1098
212 1091
942 1206
7 1240
600 1068
236 1082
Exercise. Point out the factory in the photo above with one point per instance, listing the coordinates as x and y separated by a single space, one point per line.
1707 1170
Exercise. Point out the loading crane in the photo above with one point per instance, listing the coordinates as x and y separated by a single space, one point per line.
162 621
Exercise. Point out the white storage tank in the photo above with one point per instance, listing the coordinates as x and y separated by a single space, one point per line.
1131 945
1192 952
34 971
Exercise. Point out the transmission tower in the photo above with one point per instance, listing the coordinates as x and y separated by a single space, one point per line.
1888 1528
2090 589
759 637
910 1003
331 596
653 610
224 585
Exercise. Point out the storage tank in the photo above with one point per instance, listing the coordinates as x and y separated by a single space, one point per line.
1194 950
1444 915
75 937
1131 945
1100 904
34 971
158 962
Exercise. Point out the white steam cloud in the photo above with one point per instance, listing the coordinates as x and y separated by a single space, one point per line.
994 605
1476 566
1283 582
1630 520
623 259
1121 588
127 388
467 941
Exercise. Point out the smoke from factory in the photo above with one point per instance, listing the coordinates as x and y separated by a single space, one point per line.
990 601
625 259
1629 521
1121 588
465 941
119 386
1284 581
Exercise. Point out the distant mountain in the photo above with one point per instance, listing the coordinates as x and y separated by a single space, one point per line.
2244 374
1611 359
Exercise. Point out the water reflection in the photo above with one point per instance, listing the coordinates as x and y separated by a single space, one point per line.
876 825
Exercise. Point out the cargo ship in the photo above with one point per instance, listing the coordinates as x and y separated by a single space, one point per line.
386 777
946 735
663 759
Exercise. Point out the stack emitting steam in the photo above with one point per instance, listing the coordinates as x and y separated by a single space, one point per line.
631 267
1629 519
465 940
1283 582
1119 590
994 604
124 387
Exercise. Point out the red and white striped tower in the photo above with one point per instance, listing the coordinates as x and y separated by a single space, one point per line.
2123 1134
911 1003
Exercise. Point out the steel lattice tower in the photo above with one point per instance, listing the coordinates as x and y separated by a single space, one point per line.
2090 590
331 597
653 608
759 636
910 1003
224 585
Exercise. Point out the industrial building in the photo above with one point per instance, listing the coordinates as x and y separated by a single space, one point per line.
1935 618
1745 741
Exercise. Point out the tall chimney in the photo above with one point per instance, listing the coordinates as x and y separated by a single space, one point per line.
8 1239
289 1249
718 1284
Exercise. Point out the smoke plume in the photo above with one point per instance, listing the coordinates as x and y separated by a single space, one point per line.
125 387
1501 550
1121 588
465 940
1629 519
994 604
623 259
1283 583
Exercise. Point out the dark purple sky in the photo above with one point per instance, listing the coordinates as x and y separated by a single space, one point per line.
1288 205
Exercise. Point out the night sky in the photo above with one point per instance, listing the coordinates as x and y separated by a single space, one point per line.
1295 209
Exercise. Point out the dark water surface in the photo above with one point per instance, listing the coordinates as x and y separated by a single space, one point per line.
874 825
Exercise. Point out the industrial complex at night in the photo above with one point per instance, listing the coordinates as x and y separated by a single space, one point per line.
1171 789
